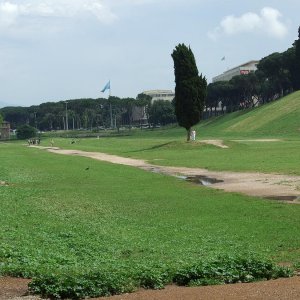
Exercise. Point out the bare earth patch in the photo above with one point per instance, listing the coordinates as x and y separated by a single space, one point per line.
267 290
14 289
258 140
283 289
217 143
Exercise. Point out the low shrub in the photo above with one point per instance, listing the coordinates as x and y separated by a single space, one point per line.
221 270
229 270
78 286
154 277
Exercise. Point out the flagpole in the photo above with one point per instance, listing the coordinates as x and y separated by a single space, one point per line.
110 107
109 88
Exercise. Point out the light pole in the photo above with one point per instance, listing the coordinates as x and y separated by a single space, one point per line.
111 114
67 127
35 120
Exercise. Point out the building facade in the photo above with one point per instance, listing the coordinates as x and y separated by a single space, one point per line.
160 94
246 68
139 114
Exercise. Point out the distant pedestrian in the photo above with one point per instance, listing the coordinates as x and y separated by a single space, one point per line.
52 143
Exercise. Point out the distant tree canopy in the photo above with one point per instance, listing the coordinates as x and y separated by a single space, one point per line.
162 112
15 115
1 118
277 74
190 90
82 113
26 132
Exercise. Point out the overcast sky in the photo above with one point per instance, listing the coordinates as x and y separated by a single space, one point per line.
53 50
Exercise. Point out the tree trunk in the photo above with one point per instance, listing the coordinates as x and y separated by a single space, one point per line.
188 131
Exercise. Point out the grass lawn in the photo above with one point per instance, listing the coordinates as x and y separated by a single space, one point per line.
112 228
60 220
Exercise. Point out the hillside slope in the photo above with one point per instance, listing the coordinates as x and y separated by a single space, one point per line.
279 118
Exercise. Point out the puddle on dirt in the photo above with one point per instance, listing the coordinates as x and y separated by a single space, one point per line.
201 179
282 198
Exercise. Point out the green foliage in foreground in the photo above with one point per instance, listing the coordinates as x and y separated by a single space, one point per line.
222 270
229 269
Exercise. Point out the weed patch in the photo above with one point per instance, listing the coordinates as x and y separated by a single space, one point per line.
222 270
229 270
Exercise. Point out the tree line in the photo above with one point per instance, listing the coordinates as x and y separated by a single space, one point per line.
91 113
277 74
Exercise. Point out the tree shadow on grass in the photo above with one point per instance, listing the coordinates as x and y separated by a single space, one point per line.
153 147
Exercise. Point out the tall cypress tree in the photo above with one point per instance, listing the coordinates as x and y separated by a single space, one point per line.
190 90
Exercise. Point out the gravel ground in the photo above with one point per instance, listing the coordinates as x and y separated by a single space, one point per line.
283 289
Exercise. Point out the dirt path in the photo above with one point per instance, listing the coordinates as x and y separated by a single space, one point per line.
14 288
217 143
271 186
267 290
258 140
283 289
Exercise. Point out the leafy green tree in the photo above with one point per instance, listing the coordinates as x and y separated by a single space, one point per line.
275 70
26 132
219 92
16 116
46 123
143 100
162 112
190 90
127 111
1 119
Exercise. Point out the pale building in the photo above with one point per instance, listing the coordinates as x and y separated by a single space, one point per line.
160 94
246 68
140 114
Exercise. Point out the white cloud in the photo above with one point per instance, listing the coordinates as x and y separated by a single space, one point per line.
8 14
13 12
268 21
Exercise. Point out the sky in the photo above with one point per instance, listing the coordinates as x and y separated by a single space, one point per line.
52 50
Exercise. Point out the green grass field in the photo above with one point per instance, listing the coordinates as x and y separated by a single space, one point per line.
280 120
113 228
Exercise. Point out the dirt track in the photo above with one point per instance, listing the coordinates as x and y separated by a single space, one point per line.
272 186
283 289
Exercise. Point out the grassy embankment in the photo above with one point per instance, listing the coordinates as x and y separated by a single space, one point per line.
113 228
